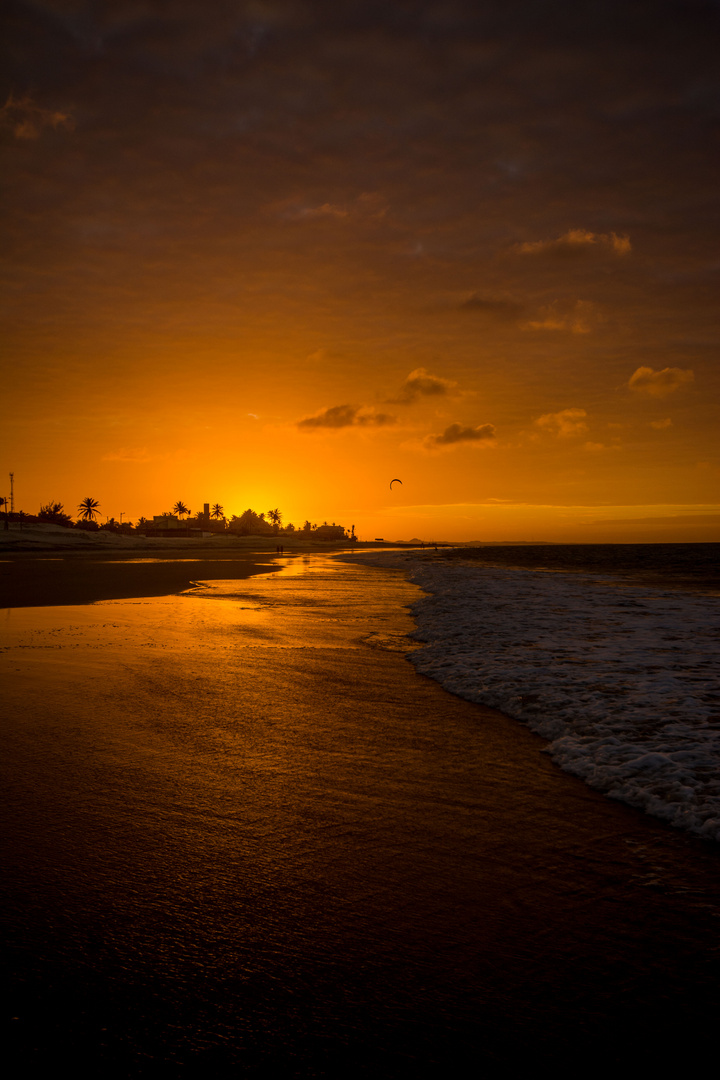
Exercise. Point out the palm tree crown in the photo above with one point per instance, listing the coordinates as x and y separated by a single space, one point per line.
88 509
217 511
180 509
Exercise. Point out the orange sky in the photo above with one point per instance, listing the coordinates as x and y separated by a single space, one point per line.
277 253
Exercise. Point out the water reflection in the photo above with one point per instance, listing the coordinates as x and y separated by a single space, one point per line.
312 603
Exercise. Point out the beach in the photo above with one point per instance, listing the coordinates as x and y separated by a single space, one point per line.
44 565
35 580
244 835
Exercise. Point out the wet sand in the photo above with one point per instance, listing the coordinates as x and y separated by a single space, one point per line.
86 577
322 864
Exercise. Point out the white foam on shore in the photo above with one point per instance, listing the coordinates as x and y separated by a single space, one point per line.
623 682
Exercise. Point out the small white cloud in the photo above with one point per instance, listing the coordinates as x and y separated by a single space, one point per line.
581 318
564 424
368 207
620 244
420 383
26 120
577 242
660 383
660 425
328 210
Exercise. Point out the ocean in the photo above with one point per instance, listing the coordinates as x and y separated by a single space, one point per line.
244 836
610 652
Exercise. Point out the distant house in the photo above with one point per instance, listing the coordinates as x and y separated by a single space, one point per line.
170 525
165 525
329 532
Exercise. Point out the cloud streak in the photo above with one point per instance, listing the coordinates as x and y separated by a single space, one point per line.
456 433
564 424
344 416
131 456
580 319
660 383
368 207
26 119
494 307
577 242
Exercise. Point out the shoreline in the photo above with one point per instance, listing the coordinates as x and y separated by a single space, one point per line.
60 567
690 568
43 537
616 674
39 580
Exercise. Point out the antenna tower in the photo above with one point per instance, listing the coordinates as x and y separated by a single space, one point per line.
12 497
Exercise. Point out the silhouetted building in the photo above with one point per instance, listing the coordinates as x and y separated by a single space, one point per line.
329 532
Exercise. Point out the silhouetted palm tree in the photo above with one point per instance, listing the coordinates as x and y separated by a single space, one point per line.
180 509
275 516
217 511
88 509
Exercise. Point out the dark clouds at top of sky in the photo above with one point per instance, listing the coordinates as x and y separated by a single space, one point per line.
518 88
472 129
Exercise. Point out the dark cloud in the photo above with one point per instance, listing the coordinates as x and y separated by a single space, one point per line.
26 119
342 416
456 433
493 306
420 383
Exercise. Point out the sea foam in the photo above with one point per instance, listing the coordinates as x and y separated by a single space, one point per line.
622 681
